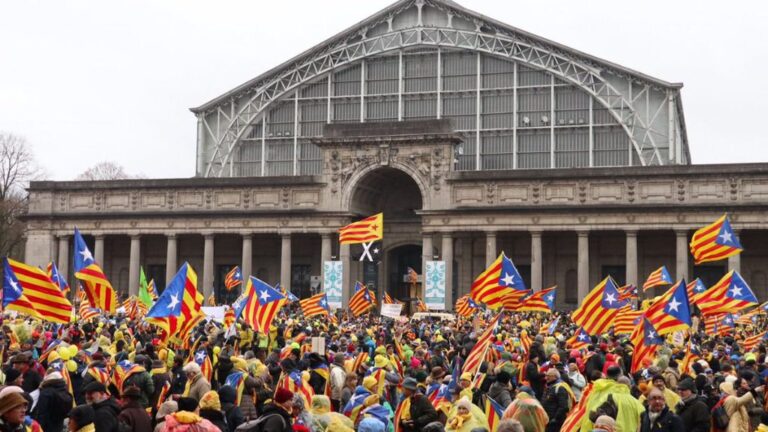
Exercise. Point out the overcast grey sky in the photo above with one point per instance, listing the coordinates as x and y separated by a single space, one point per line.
87 81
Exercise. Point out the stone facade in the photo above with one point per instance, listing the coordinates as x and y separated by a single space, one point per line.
566 227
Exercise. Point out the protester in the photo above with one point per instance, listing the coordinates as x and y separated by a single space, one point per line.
658 417
53 403
186 419
81 419
167 408
104 406
133 416
13 409
197 384
692 411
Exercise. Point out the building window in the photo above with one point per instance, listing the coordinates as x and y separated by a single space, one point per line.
300 280
617 272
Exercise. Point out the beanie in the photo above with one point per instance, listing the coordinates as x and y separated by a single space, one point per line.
283 395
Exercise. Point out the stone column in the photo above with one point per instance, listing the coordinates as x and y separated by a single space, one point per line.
285 261
208 265
63 259
98 250
246 267
427 253
734 262
447 254
346 277
134 265
325 252
536 261
631 257
170 258
681 266
583 264
490 248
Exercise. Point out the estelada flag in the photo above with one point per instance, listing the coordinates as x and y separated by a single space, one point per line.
44 295
363 231
715 242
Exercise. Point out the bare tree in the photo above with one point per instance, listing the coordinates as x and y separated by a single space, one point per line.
105 171
17 168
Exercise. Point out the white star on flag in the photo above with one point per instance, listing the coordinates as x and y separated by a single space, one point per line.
200 357
551 298
736 291
174 302
651 334
674 305
582 337
726 236
610 298
508 279
86 255
264 296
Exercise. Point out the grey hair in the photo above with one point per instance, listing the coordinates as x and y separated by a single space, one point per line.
553 371
192 368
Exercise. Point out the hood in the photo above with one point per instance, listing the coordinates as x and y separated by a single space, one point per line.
55 384
109 404
495 389
608 385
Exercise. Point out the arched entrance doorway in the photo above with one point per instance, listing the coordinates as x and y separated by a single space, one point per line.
396 194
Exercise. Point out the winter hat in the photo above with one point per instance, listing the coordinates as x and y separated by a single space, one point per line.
283 395
370 382
371 424
82 415
10 401
11 375
53 376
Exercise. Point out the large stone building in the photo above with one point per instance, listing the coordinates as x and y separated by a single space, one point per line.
471 136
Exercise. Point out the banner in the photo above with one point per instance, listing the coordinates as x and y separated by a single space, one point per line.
333 277
391 310
434 285
215 313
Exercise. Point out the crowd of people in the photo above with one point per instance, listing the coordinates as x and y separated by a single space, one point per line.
374 374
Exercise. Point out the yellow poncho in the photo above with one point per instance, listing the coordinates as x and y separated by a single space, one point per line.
630 408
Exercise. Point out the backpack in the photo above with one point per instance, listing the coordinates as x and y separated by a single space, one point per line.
258 424
720 418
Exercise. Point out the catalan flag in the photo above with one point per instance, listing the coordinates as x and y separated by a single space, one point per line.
264 303
361 301
715 242
695 288
576 415
179 305
494 412
499 284
13 297
204 361
163 395
626 320
647 347
413 277
315 305
57 278
599 308
465 306
389 300
97 288
297 385
628 292
712 323
579 340
289 296
87 312
233 278
542 301
229 317
44 295
672 312
692 354
237 381
658 277
750 317
363 231
729 294
752 341
477 354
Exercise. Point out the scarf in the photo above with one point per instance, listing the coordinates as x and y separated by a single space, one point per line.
160 370
458 420
87 428
186 417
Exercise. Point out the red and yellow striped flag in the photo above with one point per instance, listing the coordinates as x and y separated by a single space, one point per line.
714 242
599 308
477 355
626 320
363 231
44 295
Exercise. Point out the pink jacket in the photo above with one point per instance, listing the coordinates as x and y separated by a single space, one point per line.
172 424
